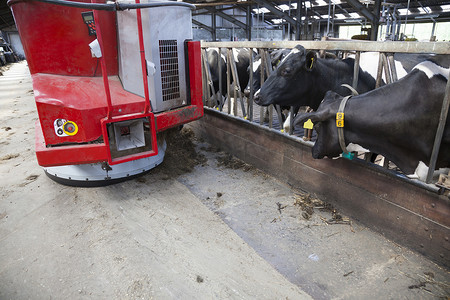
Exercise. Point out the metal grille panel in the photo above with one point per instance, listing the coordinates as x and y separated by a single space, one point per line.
170 81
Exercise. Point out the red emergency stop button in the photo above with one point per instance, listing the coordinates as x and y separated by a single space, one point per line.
70 128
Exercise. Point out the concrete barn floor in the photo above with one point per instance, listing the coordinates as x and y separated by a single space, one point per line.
203 225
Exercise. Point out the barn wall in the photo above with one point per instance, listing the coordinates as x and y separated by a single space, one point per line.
16 44
406 213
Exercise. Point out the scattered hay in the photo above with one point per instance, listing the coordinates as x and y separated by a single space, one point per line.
9 156
181 156
308 203
32 177
231 162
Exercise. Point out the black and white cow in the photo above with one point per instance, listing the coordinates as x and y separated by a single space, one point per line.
214 58
302 79
276 57
242 60
404 62
398 120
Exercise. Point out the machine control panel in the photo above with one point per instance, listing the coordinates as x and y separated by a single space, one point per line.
88 18
65 128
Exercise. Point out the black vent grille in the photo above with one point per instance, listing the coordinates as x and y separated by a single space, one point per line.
170 81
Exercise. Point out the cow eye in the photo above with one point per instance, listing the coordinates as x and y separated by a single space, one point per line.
285 72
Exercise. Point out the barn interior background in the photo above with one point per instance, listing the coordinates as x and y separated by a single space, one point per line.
262 20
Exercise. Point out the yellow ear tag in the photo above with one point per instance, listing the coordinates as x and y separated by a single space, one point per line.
339 119
308 124
312 62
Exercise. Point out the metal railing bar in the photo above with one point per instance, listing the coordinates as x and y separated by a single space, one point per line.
261 109
250 97
363 46
356 70
208 78
392 67
439 133
228 85
237 85
219 68
386 65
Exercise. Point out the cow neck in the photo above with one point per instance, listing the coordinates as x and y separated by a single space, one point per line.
323 82
331 75
341 129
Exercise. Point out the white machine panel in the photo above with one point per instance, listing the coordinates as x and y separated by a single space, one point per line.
164 29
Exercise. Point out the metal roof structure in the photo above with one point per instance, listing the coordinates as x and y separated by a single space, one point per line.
6 18
278 13
319 9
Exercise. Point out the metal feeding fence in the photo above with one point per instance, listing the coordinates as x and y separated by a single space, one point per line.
236 104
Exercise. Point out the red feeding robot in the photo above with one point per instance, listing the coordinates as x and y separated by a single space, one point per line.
107 79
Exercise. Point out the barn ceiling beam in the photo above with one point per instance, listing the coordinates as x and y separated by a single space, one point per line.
204 11
376 11
363 10
277 12
241 3
200 24
227 17
314 12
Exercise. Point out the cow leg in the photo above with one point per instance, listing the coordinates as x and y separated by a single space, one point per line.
280 115
288 125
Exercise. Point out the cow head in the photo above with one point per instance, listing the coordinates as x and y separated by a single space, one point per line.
324 119
275 57
291 81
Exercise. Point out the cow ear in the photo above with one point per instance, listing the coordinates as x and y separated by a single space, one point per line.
318 116
276 57
315 117
300 48
302 118
310 60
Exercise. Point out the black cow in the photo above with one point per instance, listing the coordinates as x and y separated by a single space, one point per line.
398 120
242 61
302 79
215 58
276 57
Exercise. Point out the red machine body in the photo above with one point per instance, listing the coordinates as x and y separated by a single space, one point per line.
69 85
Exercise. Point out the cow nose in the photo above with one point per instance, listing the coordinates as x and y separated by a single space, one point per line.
247 93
